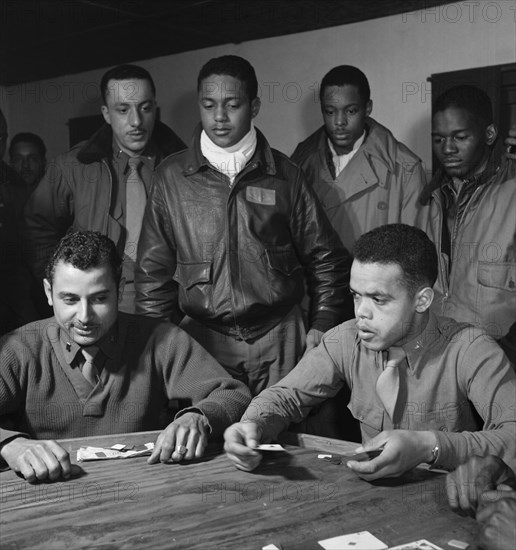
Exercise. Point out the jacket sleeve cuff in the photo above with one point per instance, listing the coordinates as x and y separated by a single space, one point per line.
197 411
6 436
325 320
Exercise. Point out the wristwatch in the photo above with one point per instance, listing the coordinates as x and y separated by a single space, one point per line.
435 454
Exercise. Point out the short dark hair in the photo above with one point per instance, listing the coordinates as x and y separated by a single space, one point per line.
467 97
85 250
346 74
28 137
125 72
234 66
404 245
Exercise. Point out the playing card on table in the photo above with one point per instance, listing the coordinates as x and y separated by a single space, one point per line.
116 451
363 540
421 544
269 447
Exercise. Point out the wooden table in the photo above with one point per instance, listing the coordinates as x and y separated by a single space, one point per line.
293 500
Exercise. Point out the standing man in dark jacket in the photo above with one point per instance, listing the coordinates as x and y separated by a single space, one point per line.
472 217
231 230
103 184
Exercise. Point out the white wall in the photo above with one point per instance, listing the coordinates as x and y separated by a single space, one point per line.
397 53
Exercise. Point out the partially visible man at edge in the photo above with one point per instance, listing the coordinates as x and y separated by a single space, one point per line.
485 487
16 307
472 217
28 158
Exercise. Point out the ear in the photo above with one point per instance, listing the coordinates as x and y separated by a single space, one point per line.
369 107
491 134
255 106
105 114
48 291
423 299
121 287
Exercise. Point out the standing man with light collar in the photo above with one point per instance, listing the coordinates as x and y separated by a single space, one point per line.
231 231
102 184
362 175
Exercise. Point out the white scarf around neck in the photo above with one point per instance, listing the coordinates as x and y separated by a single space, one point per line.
231 160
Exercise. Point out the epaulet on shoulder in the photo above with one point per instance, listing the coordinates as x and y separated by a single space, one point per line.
173 157
282 157
465 333
306 148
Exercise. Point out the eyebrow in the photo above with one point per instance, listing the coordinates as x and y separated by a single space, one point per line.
372 294
129 103
330 102
454 132
64 294
236 95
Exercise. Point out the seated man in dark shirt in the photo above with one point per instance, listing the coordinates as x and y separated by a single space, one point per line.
91 370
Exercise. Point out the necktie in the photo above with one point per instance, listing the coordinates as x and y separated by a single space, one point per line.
89 371
136 198
388 383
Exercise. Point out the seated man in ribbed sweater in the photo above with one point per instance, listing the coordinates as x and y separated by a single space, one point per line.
91 370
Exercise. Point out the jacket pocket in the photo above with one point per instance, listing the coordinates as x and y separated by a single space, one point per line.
368 413
282 260
496 296
445 417
285 276
195 287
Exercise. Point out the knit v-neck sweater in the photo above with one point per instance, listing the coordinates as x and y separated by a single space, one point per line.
154 365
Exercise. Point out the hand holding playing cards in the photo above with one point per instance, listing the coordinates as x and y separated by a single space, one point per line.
37 460
497 529
241 439
402 450
183 439
465 485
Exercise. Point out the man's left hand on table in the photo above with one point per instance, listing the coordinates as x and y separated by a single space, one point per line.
185 438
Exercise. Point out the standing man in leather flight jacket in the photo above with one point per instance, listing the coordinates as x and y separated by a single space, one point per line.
93 186
230 233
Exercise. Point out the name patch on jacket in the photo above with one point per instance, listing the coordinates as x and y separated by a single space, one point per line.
259 195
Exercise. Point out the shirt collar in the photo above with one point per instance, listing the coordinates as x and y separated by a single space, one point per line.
148 157
107 344
471 183
425 340
356 145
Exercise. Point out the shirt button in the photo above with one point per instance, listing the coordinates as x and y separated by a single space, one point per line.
382 205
